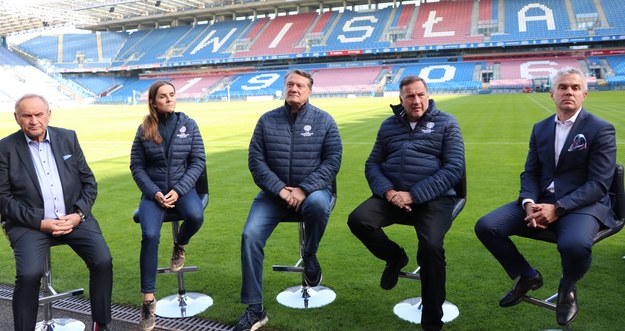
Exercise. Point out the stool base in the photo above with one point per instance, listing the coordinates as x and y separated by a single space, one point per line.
60 324
306 297
178 306
410 310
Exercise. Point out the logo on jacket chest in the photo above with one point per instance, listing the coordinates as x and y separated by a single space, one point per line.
307 132
182 133
428 127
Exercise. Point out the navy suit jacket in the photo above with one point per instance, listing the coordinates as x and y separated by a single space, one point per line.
21 201
585 167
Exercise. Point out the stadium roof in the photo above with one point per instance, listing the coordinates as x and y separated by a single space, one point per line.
118 15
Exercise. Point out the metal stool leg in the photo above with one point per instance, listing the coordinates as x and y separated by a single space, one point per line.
50 295
411 309
303 296
182 304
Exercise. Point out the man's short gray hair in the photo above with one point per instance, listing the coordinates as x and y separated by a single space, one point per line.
28 96
568 71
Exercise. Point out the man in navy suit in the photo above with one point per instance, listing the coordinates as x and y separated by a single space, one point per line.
46 194
564 188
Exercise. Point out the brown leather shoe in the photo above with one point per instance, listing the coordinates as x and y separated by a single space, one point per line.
520 288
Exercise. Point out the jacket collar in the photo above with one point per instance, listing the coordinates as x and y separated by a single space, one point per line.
400 112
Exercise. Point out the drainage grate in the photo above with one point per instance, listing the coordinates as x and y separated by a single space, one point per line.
131 315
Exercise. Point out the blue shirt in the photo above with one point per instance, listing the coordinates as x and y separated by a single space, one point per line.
48 176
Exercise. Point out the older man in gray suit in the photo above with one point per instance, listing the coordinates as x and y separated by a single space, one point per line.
46 194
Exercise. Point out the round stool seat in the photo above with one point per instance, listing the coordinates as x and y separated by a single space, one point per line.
410 310
60 324
306 297
178 306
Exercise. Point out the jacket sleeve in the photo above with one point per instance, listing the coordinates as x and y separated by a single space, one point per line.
12 208
332 151
263 176
378 182
530 177
138 167
89 190
196 162
451 170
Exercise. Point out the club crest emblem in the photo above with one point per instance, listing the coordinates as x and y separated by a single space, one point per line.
307 132
182 132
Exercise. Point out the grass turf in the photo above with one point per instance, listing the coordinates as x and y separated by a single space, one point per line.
496 129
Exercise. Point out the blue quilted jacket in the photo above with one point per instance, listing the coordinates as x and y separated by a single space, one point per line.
305 153
427 161
155 169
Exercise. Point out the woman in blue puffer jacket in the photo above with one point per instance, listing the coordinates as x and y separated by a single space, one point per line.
166 159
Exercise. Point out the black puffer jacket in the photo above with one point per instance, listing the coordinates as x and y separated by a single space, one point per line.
305 153
427 161
155 169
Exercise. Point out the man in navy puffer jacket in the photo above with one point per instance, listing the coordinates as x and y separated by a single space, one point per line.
417 159
294 156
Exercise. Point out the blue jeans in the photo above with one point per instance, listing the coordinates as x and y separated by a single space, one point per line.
266 212
190 209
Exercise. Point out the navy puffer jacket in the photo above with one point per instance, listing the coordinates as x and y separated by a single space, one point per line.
427 161
154 169
305 153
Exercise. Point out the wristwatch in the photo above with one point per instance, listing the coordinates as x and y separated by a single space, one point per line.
560 210
81 214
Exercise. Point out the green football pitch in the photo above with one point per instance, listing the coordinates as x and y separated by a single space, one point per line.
496 130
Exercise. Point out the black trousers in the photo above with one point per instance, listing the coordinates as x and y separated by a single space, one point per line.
431 222
30 249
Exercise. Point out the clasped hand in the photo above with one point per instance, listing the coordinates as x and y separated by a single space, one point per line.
168 200
61 226
540 215
293 196
399 199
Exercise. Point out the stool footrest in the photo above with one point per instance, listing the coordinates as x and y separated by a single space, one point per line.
286 268
169 271
548 304
59 296
410 275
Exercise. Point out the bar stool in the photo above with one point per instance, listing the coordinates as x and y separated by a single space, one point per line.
303 296
411 308
617 196
182 304
49 295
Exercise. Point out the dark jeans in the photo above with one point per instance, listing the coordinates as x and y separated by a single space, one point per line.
431 222
575 236
266 212
30 250
190 209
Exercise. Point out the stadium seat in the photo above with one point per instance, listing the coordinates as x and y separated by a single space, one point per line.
411 308
617 196
302 296
183 304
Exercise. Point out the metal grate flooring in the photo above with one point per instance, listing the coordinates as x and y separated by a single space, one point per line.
131 315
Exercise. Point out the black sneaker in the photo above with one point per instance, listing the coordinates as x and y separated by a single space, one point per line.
312 270
391 271
251 320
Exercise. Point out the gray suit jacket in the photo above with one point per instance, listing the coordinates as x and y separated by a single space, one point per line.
21 202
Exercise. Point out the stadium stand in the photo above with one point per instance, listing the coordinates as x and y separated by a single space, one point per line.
114 66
